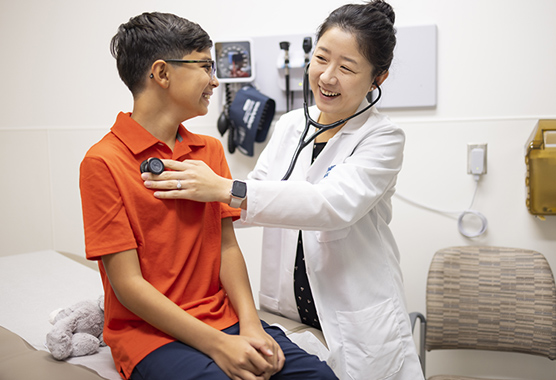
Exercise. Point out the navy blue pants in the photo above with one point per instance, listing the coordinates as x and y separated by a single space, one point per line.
177 360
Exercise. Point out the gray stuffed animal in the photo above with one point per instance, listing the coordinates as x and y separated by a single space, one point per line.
76 330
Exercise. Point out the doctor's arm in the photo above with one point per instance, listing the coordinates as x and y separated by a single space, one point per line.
356 183
197 180
349 190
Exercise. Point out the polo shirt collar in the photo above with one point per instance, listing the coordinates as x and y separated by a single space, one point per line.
138 139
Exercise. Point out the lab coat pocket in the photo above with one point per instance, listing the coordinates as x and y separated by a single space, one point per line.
328 236
372 344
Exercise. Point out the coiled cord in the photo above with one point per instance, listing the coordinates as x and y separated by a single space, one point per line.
469 211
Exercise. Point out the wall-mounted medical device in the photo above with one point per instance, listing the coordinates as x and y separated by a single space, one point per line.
274 66
540 158
247 113
291 64
235 67
234 61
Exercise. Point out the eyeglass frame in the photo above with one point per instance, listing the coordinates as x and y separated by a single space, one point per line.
211 61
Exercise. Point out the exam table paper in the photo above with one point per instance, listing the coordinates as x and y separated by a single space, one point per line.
35 284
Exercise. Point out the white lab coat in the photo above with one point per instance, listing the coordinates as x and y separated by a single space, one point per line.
342 204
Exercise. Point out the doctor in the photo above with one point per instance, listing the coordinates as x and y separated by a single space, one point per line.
329 257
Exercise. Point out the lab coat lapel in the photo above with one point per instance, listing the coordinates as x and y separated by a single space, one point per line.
303 164
340 146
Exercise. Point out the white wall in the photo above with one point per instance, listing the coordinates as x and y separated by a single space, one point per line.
496 77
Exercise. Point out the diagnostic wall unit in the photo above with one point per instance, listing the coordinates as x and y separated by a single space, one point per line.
540 158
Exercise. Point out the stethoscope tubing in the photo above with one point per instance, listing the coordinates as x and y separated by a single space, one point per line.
321 128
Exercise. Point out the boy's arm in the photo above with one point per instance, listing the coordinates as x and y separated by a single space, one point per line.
234 278
235 355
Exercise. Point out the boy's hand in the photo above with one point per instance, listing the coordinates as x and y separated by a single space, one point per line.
240 359
197 182
267 346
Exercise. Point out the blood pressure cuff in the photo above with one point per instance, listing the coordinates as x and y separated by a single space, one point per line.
250 114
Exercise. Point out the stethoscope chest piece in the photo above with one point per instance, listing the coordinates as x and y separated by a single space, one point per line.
153 165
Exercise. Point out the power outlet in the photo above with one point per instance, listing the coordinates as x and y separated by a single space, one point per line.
476 159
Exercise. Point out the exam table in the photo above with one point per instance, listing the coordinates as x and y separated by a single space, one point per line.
34 284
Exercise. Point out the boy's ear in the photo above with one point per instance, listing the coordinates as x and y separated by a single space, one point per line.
159 73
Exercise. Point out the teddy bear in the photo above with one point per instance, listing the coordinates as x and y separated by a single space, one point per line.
76 330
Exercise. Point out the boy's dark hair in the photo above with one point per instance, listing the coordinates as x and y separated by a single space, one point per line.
152 36
373 26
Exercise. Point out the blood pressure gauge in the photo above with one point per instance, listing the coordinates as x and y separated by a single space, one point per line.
234 61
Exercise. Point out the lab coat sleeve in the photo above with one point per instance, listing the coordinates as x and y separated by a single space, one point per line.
360 181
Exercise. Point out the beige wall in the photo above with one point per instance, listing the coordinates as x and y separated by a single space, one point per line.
60 94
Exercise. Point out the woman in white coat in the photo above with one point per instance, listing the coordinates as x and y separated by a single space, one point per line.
329 258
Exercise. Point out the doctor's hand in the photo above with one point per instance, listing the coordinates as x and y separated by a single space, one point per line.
190 179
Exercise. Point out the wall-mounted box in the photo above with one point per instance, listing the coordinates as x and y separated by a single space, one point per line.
540 158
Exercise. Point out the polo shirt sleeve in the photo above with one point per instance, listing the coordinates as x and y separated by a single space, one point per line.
105 221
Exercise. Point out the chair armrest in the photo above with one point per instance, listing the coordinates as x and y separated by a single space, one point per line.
413 317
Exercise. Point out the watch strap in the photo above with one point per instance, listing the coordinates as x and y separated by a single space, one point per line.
236 202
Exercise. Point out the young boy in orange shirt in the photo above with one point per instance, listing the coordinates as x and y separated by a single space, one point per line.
178 303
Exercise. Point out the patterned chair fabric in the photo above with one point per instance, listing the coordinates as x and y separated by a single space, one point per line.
491 298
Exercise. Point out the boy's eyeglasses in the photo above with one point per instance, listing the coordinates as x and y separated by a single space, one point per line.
211 71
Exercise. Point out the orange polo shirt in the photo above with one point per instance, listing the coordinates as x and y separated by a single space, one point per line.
178 242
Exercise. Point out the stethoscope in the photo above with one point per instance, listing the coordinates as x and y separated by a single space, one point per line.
321 128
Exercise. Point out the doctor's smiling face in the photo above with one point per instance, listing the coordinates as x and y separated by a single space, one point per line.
340 76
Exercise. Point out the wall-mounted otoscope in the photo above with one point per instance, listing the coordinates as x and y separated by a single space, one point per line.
307 45
285 45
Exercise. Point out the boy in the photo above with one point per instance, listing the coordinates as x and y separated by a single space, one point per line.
178 304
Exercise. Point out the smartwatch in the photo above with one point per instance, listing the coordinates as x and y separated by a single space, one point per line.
238 192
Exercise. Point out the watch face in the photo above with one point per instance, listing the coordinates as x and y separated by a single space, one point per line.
239 189
233 61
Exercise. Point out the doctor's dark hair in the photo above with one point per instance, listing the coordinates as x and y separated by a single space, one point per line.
151 36
373 26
